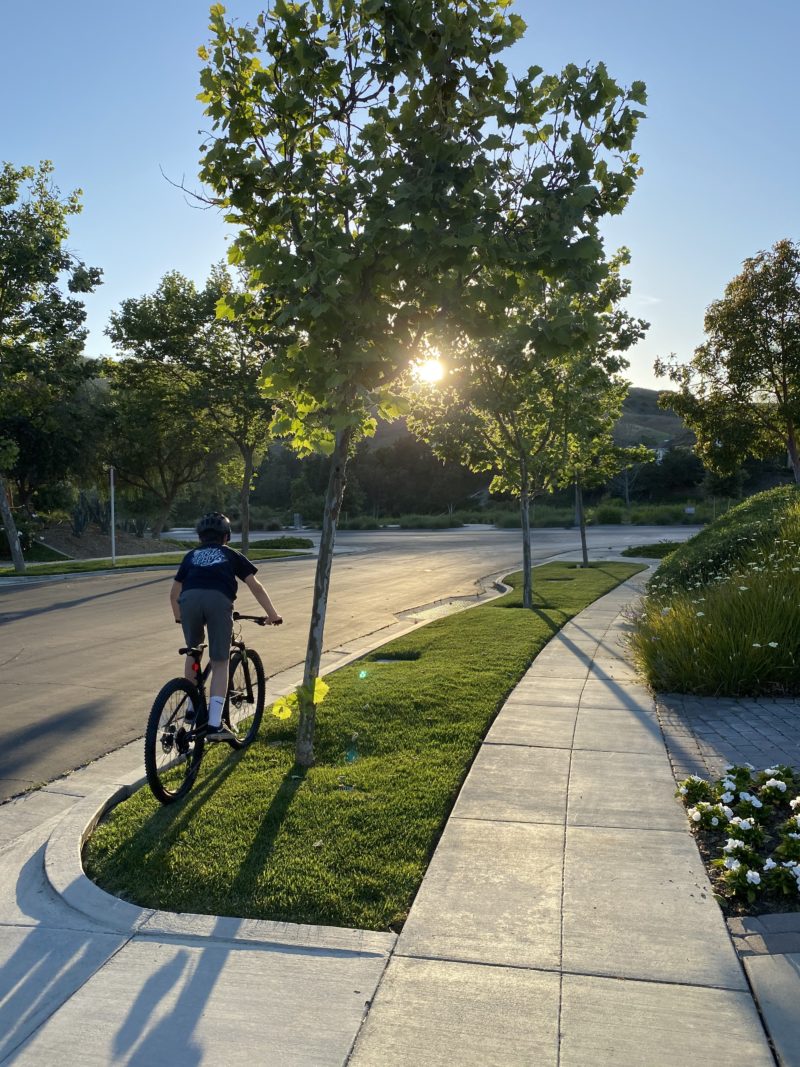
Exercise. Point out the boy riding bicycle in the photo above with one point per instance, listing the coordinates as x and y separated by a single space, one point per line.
202 596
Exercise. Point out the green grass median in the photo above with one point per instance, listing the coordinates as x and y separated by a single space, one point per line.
345 843
155 559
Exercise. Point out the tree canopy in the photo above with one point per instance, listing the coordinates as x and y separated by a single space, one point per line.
740 393
42 335
376 159
220 359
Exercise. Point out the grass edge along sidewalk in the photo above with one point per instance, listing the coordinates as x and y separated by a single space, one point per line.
347 842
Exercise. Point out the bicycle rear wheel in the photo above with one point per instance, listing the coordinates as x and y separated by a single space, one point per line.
244 706
172 748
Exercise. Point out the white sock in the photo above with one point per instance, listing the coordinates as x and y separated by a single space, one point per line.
215 712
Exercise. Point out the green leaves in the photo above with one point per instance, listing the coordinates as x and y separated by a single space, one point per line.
740 393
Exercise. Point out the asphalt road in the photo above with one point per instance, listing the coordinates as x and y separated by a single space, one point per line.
81 658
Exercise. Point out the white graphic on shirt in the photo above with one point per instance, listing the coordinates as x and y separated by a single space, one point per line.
207 557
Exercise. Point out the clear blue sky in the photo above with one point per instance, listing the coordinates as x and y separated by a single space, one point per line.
107 91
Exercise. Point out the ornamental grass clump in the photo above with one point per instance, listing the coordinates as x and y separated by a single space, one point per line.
747 825
730 632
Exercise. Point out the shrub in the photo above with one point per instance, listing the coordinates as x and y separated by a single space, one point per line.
656 551
360 522
542 517
607 515
428 522
283 542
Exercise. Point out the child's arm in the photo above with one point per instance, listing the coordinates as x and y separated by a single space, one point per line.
260 593
174 593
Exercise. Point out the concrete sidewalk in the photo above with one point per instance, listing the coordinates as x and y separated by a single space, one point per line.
566 918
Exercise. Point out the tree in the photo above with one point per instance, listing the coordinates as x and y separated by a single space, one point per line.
160 445
740 393
375 156
8 451
41 328
177 327
591 458
523 404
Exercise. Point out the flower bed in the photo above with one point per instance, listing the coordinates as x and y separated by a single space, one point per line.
747 826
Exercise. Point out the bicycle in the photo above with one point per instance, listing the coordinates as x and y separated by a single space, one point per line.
176 727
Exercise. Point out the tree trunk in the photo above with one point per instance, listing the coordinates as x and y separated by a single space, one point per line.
627 485
794 460
527 578
244 503
163 515
11 529
581 515
304 750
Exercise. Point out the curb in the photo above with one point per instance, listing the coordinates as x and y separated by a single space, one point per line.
64 868
64 872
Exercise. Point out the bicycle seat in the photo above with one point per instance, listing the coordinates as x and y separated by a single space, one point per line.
196 651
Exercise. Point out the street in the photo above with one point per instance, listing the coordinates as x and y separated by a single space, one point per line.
82 657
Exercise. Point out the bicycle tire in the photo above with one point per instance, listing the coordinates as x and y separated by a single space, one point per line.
172 749
240 715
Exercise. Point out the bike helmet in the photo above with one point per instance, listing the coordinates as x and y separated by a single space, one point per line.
214 524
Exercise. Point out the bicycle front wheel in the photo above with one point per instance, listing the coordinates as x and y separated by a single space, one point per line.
172 748
244 706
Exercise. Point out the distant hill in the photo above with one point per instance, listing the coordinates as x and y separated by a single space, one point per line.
644 422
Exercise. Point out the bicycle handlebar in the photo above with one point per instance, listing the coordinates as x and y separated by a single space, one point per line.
261 620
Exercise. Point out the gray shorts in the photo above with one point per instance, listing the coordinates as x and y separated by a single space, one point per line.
207 609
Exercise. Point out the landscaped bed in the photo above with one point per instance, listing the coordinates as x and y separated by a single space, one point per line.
747 826
347 842
722 616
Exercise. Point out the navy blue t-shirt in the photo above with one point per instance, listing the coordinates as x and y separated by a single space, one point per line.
214 567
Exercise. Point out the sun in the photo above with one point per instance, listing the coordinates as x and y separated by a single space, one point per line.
429 370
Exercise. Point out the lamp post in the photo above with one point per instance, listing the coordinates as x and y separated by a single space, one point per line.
113 521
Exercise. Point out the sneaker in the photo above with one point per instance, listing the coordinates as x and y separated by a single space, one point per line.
219 733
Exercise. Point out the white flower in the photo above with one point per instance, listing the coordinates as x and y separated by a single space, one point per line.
715 821
683 790
770 770
727 797
744 795
743 588
756 644
729 784
773 644
750 766
699 613
756 802
732 844
753 877
794 837
732 865
728 811
728 767
770 863
794 803
775 783
696 816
